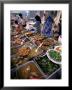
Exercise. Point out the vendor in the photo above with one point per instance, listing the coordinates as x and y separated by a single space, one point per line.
37 25
15 24
17 27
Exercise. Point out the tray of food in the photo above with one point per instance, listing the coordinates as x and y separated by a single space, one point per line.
29 43
29 70
33 54
24 53
41 66
48 43
17 61
37 39
18 41
29 51
46 65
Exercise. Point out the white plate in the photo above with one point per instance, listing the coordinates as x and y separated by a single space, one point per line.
47 53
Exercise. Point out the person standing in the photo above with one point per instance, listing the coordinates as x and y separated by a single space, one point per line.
57 26
47 30
21 20
37 25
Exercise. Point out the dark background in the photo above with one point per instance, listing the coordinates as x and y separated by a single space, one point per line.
2 40
37 1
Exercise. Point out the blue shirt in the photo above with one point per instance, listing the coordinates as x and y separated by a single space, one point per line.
47 31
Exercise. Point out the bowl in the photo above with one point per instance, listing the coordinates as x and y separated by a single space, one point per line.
51 59
58 49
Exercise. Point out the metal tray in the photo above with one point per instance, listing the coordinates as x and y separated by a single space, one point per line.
14 71
53 74
15 62
24 40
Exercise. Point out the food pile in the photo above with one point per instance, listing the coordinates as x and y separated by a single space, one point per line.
24 51
55 55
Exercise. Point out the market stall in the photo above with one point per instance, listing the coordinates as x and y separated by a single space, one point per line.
34 55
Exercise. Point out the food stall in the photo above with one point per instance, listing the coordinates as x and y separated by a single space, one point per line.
34 56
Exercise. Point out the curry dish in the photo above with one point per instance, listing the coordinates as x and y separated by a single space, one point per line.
24 51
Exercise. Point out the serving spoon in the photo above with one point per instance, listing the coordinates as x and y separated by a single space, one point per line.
38 47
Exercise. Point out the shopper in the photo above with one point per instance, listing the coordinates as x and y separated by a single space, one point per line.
21 20
47 30
57 26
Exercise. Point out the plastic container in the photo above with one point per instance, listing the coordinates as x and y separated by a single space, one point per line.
27 71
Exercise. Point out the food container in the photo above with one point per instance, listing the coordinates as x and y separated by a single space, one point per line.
29 70
22 62
37 37
58 61
33 53
46 65
48 43
29 38
58 48
18 42
18 58
28 44
17 61
55 75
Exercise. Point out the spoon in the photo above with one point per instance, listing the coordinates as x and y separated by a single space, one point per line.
38 47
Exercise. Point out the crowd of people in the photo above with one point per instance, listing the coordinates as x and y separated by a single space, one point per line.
48 25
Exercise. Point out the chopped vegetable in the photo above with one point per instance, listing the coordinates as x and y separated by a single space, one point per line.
46 65
55 55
